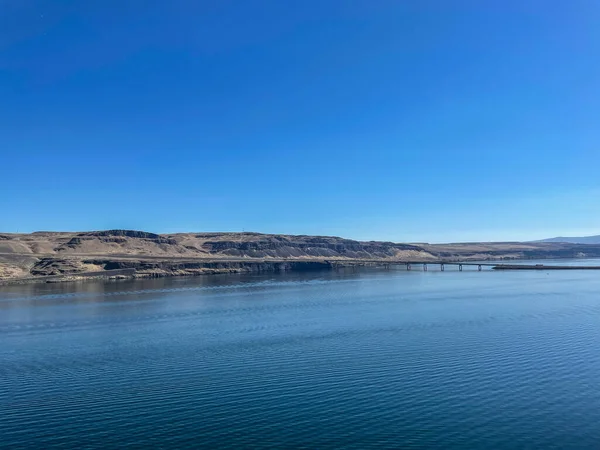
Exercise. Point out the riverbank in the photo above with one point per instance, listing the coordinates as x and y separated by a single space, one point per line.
114 254
128 269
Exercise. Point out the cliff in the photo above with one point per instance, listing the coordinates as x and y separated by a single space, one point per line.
140 253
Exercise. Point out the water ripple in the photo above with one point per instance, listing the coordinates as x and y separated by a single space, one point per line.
311 364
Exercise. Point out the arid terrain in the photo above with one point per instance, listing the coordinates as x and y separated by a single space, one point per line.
59 256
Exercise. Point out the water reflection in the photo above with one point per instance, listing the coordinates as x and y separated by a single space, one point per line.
365 359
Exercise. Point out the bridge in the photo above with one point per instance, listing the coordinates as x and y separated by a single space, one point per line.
424 265
443 265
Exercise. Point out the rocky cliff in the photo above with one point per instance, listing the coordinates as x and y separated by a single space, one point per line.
141 253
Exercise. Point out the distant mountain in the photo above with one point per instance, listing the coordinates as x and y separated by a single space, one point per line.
575 240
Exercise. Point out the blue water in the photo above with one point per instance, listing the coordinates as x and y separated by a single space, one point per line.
368 359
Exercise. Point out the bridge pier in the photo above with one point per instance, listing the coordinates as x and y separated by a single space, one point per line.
460 267
407 266
424 267
442 267
479 267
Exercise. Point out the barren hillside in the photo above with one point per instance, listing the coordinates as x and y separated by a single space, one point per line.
201 245
72 253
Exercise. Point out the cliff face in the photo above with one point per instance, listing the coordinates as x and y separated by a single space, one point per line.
185 268
207 245
139 253
148 254
125 233
306 246
112 241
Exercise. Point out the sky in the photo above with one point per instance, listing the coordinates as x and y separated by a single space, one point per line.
409 121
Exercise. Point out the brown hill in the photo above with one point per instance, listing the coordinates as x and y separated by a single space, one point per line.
204 245
60 253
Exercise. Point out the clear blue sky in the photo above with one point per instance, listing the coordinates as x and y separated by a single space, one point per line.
397 120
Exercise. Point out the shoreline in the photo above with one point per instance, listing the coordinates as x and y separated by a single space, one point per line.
127 270
143 269
115 254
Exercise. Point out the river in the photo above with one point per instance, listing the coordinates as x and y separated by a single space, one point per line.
364 359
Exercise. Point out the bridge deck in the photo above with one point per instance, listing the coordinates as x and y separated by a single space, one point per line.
495 266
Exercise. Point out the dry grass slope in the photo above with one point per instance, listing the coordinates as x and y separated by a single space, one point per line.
68 253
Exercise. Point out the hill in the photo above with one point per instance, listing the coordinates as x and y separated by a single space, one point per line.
201 245
141 253
575 240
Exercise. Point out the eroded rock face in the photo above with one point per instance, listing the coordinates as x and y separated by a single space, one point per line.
170 268
140 253
125 233
227 245
55 266
117 237
116 234
298 246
